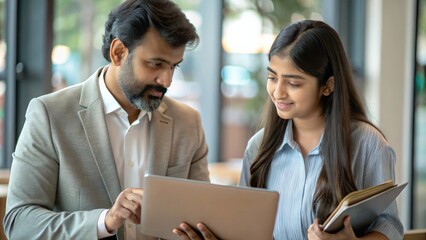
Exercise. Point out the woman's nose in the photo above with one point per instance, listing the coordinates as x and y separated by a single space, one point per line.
280 90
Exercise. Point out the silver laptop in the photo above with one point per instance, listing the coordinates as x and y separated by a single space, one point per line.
230 212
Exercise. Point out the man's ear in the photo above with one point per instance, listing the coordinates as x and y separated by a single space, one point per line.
329 86
117 52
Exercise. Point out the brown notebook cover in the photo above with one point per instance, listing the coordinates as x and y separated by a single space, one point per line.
363 206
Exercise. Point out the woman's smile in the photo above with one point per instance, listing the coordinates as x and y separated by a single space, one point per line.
283 106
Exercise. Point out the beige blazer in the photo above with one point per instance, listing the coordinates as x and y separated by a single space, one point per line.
63 172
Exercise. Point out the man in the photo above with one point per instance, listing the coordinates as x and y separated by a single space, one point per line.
80 147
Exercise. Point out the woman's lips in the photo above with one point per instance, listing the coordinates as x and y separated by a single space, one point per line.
283 106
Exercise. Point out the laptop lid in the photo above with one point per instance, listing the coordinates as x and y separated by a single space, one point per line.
230 212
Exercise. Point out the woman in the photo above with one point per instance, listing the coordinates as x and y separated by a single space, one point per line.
317 144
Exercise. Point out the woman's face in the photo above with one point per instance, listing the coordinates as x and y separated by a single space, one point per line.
296 95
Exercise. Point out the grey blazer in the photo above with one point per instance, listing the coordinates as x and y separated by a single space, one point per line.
63 172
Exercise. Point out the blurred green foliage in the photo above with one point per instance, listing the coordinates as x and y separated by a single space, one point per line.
68 18
2 18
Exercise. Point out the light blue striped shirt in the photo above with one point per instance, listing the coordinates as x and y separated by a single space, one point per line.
295 177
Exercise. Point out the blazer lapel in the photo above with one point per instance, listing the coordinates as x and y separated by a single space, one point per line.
93 120
161 141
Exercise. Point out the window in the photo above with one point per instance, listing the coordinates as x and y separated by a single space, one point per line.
2 75
419 164
78 27
249 29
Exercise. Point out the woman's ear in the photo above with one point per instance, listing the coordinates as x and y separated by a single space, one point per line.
117 52
329 87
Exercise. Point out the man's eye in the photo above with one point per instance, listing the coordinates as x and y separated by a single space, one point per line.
155 64
176 66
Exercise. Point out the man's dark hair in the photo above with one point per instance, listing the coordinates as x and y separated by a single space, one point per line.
131 20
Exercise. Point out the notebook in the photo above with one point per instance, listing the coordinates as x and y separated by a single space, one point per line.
363 206
230 212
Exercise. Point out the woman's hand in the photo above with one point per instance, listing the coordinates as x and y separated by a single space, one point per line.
187 233
315 232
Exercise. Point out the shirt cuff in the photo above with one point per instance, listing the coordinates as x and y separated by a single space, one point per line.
102 231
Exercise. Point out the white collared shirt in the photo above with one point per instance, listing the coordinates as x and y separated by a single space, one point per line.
130 145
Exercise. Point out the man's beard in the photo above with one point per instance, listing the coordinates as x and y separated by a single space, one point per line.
138 94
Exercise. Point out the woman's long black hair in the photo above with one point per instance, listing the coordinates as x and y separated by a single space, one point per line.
316 49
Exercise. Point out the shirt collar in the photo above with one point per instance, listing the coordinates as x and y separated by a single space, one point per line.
288 136
289 140
110 103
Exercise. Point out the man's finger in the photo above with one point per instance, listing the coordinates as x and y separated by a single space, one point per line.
137 191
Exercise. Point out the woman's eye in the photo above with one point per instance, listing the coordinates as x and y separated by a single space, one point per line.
293 84
273 79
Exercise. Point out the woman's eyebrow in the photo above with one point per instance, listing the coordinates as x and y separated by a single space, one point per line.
270 70
292 76
295 76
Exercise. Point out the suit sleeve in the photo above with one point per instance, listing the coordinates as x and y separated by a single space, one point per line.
30 207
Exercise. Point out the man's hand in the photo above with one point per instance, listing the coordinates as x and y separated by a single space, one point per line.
127 206
187 233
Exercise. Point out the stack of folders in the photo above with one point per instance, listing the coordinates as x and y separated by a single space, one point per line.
363 206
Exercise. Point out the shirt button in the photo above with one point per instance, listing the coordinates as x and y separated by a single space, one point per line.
130 164
123 113
129 225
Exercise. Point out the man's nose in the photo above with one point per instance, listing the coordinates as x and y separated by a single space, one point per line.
165 78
